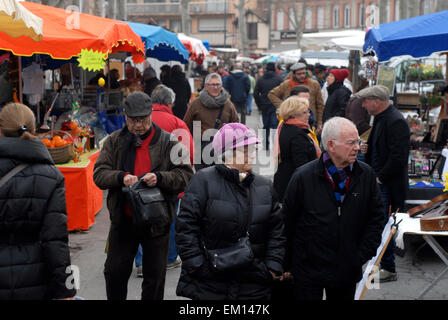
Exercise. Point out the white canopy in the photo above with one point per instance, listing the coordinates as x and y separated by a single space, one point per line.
349 38
17 21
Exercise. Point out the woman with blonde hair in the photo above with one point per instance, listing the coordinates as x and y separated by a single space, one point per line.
294 147
34 254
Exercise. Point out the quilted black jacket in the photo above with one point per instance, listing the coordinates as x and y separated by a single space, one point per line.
34 253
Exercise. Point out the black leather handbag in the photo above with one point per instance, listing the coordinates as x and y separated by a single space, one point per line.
230 258
236 256
148 205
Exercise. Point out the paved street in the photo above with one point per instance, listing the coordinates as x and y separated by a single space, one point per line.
87 252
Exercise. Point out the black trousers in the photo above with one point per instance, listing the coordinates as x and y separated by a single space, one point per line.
307 291
241 108
123 245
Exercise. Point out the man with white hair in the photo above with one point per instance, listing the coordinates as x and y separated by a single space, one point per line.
333 217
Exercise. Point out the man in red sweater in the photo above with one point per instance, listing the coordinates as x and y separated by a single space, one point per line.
162 115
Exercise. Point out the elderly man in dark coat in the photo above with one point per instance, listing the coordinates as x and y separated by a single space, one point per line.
333 217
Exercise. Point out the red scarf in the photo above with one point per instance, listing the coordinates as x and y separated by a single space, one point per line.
299 124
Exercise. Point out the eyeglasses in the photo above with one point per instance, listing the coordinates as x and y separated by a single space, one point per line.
136 120
214 85
354 142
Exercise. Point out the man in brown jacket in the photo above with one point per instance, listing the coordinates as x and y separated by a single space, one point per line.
140 151
210 110
280 93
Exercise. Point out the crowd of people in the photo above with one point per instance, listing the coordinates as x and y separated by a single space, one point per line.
235 233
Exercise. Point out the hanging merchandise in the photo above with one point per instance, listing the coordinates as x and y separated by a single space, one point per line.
370 69
33 83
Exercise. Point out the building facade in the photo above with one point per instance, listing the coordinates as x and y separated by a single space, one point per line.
269 22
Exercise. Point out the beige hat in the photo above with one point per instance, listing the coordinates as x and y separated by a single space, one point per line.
375 92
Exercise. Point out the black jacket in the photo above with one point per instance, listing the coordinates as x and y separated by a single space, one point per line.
391 137
150 85
32 208
324 248
357 114
182 89
338 96
296 149
266 83
214 210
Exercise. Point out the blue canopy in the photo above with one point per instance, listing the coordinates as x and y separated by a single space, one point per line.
418 37
160 44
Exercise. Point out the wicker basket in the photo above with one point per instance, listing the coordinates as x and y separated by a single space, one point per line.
60 154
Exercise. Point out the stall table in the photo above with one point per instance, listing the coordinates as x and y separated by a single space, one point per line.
83 198
411 225
420 192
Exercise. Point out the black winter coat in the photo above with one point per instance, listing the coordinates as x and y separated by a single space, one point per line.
323 247
214 210
32 210
182 89
391 137
266 83
338 96
296 149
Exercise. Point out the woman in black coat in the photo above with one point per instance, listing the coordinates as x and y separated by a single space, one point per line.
222 204
34 253
294 145
338 94
181 88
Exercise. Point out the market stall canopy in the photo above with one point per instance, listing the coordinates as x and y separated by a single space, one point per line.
319 39
195 47
16 21
347 43
65 34
418 37
160 44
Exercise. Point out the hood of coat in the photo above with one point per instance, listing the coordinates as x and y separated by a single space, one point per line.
237 74
32 151
178 75
270 74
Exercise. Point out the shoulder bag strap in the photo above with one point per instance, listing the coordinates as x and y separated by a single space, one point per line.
12 173
218 120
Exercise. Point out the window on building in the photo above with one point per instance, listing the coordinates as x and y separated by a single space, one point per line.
175 26
361 16
397 10
308 18
347 16
336 17
388 17
131 1
252 31
320 17
280 19
154 1
425 7
161 23
211 25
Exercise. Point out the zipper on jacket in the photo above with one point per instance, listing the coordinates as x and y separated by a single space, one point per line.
339 210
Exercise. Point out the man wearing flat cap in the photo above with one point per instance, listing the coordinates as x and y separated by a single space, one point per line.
299 77
139 151
387 153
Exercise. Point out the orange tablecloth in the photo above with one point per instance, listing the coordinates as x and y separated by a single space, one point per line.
83 198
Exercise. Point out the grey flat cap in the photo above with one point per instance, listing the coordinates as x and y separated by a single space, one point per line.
375 92
138 104
297 66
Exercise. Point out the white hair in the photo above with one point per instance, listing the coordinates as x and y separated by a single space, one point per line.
332 129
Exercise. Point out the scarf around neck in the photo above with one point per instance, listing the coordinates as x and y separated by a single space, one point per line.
299 124
213 102
293 82
339 178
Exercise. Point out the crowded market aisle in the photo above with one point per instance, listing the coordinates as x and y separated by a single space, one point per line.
87 252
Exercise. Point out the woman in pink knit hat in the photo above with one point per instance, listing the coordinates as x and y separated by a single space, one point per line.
338 94
229 231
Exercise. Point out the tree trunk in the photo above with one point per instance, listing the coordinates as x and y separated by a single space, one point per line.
242 28
298 15
185 17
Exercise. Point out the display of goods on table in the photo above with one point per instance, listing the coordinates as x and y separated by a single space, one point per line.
60 145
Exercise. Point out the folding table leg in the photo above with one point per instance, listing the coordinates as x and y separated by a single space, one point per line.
442 254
